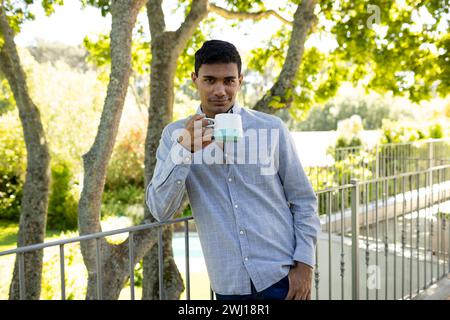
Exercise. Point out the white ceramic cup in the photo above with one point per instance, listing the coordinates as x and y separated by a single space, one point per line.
227 127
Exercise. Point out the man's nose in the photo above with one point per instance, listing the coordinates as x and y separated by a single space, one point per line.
219 90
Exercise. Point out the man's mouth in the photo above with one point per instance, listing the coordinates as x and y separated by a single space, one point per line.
219 102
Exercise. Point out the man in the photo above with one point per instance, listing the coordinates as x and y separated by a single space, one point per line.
257 228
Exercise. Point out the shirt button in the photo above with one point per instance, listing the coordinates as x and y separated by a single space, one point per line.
236 206
246 258
178 181
229 179
187 159
241 232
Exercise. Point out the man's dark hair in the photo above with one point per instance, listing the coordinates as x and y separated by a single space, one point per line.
217 51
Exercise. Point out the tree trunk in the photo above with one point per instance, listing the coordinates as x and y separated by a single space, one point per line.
166 48
34 203
113 257
282 90
172 280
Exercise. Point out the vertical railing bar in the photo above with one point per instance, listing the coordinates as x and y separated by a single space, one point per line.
22 288
376 237
386 243
316 273
410 236
62 272
427 181
131 263
418 233
98 259
395 238
444 224
367 240
160 263
430 242
355 239
342 244
186 249
448 226
403 237
316 266
438 228
329 245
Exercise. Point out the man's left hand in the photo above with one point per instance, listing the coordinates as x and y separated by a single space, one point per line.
300 278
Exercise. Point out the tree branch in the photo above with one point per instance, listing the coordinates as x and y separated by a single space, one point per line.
282 89
246 15
199 10
156 18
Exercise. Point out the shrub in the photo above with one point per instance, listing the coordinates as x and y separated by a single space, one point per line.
436 131
12 166
127 162
127 200
63 202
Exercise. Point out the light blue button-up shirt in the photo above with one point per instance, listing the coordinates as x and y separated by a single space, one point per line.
254 207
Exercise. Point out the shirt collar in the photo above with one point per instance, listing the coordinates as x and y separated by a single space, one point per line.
236 108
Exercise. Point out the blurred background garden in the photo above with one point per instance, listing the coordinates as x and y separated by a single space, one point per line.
350 91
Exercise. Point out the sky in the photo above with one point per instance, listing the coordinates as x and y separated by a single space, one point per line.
70 23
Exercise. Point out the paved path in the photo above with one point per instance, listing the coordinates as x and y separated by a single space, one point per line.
438 291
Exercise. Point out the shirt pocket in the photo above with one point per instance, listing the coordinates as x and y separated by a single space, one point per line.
251 173
254 170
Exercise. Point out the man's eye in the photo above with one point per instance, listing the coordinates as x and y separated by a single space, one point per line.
231 81
209 80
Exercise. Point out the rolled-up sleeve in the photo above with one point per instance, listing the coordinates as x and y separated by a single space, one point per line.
165 191
301 198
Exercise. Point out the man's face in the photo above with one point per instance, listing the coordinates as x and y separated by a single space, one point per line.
217 85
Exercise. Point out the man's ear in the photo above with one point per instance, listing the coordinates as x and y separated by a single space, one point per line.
193 76
241 79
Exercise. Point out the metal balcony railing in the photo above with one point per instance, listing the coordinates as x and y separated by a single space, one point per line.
407 215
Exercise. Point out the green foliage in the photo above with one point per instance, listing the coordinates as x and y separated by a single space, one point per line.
124 188
125 201
186 61
127 162
187 212
371 108
12 166
7 102
63 202
245 5
103 5
396 52
18 11
70 110
75 272
99 51
436 131
343 142
100 56
275 49
64 111
394 132
62 210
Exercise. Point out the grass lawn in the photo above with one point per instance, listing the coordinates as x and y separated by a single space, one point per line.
75 270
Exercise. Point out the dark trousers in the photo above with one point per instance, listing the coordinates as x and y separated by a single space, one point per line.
277 291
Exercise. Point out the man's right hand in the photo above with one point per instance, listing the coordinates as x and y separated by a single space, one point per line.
196 135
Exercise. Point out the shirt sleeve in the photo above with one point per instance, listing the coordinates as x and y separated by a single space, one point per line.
301 198
165 191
